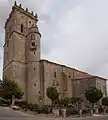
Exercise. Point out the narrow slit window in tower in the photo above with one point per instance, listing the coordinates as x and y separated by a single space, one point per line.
22 27
54 74
34 68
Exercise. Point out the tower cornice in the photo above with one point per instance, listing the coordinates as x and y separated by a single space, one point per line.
21 10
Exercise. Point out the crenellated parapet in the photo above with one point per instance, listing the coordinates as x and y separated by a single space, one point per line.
19 8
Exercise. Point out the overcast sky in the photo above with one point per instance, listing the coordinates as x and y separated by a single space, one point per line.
74 32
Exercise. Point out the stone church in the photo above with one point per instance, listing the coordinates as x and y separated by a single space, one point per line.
34 75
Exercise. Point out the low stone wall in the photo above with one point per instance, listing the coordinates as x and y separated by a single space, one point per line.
63 112
55 112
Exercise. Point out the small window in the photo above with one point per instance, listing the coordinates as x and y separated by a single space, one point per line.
7 43
34 52
34 68
54 74
32 37
34 84
33 43
29 21
22 28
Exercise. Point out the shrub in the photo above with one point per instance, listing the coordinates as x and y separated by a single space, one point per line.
22 104
33 107
4 102
87 111
71 111
66 101
43 109
101 109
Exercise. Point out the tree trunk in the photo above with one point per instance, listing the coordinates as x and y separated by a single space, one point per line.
92 109
52 103
13 100
80 113
105 109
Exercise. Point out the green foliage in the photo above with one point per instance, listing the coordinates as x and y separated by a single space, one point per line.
43 109
66 101
52 93
10 88
93 94
33 107
105 101
71 111
22 104
4 102
75 100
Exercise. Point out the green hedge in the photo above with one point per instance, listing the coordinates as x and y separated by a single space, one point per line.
22 104
71 111
4 102
43 109
33 107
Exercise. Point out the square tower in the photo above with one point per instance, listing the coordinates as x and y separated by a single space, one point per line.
15 64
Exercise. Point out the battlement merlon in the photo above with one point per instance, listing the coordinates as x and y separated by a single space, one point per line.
19 8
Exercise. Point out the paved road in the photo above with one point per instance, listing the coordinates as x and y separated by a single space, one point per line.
9 114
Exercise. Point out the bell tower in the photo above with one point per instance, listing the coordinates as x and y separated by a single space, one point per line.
22 51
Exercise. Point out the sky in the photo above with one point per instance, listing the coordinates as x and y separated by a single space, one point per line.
74 32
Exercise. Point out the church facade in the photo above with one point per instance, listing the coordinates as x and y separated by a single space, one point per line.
23 64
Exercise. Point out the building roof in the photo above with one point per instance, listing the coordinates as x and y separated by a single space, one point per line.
43 60
87 76
78 77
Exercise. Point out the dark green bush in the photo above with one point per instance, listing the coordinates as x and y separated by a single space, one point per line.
22 104
43 109
4 102
86 111
71 111
101 110
33 107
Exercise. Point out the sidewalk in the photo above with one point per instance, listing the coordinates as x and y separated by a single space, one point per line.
45 117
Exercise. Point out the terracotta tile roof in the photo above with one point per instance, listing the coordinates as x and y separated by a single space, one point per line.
85 76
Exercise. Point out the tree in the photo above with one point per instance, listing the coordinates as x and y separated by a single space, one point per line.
105 103
93 95
9 89
52 94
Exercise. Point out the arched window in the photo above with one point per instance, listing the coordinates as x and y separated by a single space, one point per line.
22 27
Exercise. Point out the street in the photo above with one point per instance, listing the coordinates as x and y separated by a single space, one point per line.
9 114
